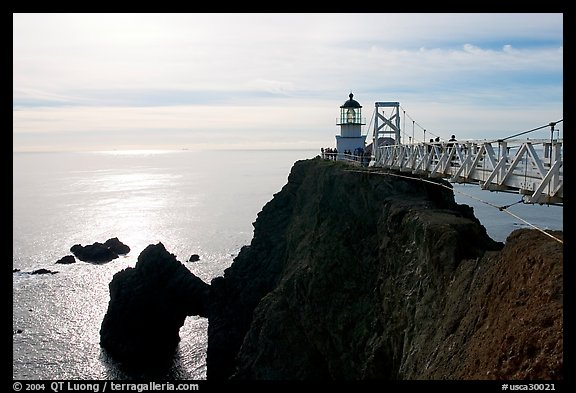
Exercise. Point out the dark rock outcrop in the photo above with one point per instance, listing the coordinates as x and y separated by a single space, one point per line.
43 271
37 271
100 253
95 253
327 250
66 260
148 305
194 258
117 246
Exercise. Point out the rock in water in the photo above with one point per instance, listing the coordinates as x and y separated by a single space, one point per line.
95 253
148 305
43 271
66 260
117 246
99 252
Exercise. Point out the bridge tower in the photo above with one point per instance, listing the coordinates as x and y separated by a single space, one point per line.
386 127
350 123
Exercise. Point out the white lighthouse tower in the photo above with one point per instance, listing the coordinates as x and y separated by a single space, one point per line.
350 122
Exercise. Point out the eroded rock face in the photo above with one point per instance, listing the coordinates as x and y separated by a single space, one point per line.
511 325
148 305
365 276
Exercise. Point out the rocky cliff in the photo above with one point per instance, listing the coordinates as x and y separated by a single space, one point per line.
356 274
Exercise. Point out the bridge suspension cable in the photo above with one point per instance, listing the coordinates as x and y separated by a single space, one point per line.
414 122
551 124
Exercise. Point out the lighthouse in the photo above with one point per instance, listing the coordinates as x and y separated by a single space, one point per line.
350 122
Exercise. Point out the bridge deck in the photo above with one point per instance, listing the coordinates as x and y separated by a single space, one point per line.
532 168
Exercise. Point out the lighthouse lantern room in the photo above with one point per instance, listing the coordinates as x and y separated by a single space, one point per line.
350 122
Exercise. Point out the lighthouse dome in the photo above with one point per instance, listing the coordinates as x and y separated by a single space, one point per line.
351 103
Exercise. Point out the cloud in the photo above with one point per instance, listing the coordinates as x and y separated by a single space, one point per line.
264 73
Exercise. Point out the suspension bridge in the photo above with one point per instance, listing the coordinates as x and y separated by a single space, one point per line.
532 168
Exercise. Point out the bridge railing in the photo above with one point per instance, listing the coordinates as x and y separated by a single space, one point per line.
532 168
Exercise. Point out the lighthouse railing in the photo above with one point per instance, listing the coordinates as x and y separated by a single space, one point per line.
356 159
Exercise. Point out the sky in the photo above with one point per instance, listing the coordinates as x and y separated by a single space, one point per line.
100 81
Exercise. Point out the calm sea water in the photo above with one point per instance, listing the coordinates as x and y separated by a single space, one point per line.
194 202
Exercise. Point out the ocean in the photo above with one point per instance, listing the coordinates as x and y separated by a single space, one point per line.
193 202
